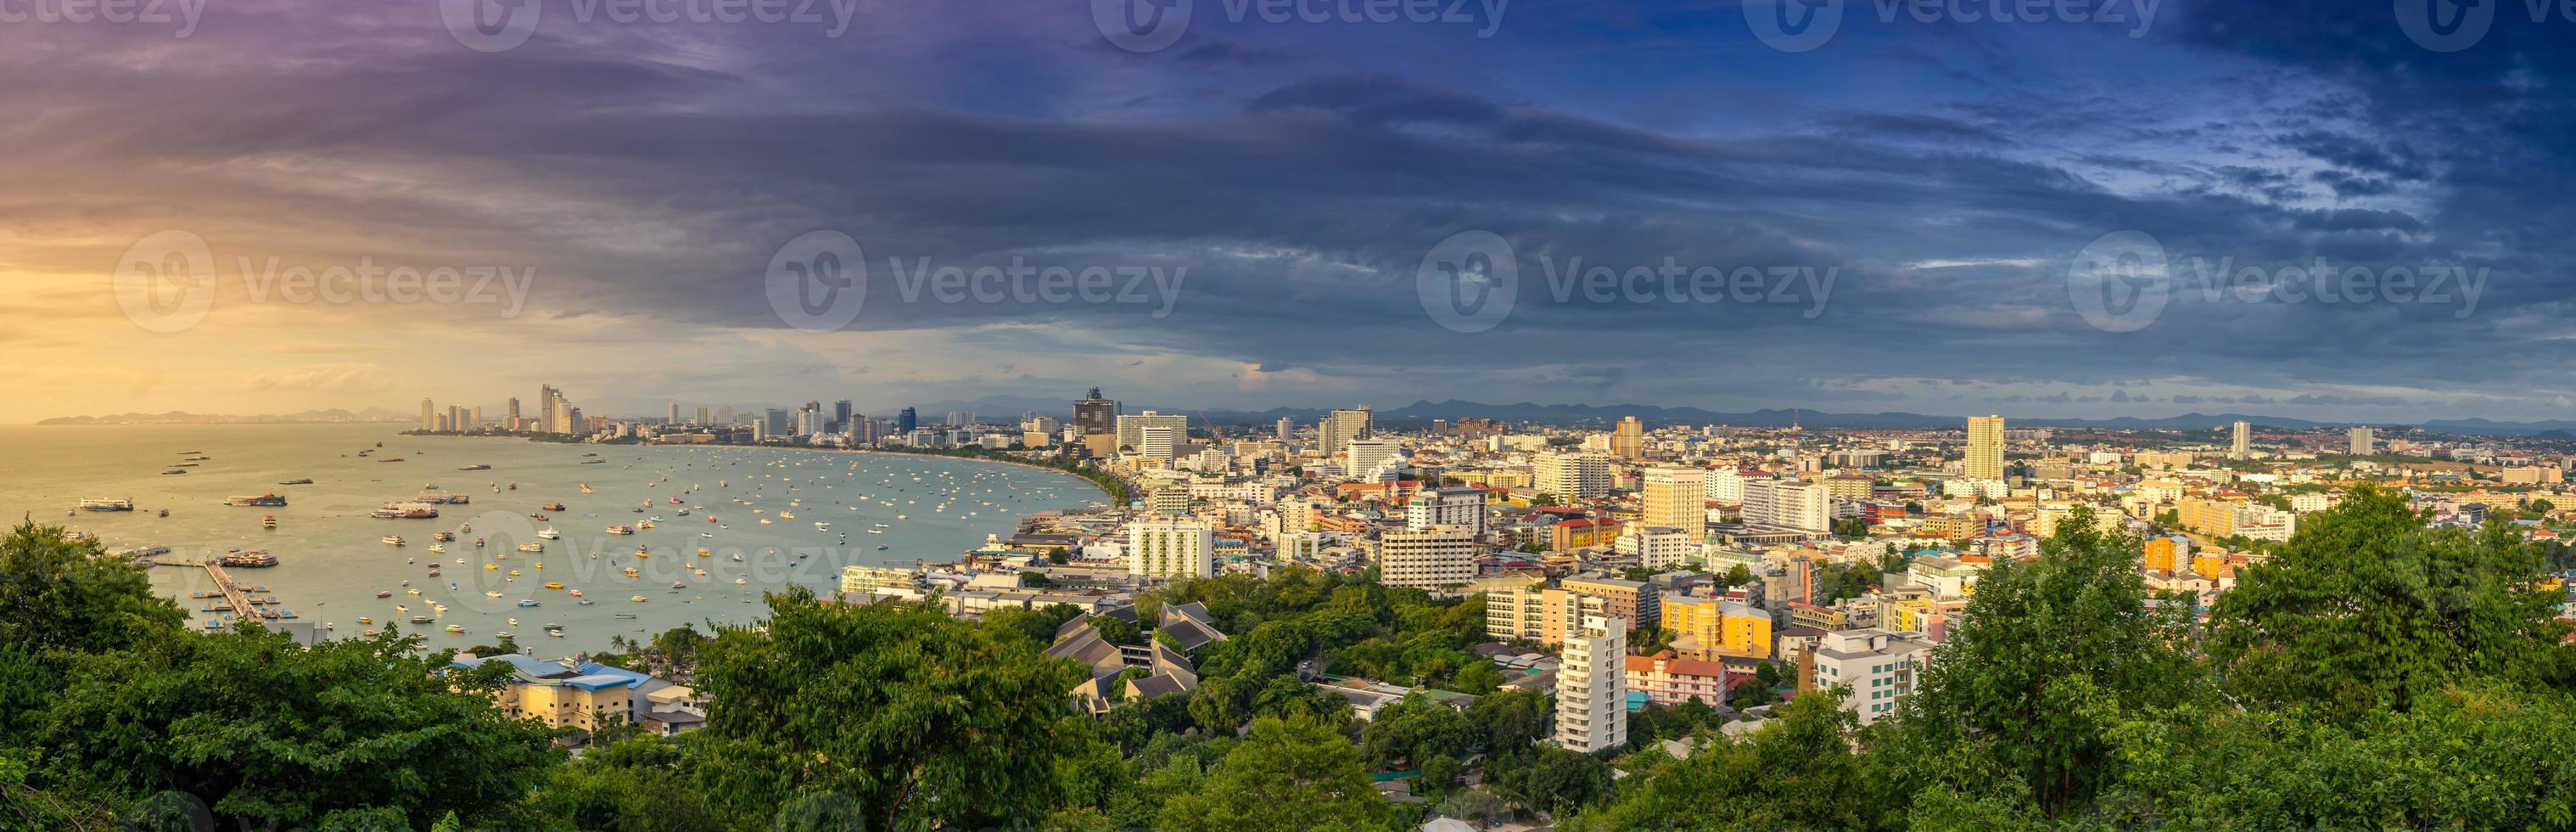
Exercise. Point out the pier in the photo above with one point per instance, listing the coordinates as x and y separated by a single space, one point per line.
234 596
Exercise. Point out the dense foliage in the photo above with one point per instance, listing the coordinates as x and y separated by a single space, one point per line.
2373 673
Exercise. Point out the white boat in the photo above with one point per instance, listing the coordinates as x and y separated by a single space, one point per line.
532 547
393 540
550 534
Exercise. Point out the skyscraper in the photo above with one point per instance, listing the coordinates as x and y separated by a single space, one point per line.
2243 445
514 411
1677 498
1341 427
1629 440
1985 448
2360 436
706 415
1571 476
841 415
1287 428
546 404
675 414
428 415
906 421
1591 687
1131 427
1095 415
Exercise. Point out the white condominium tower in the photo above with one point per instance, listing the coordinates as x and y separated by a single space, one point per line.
2241 444
1571 476
1171 549
1591 687
2360 440
1677 498
1985 448
1429 558
1340 428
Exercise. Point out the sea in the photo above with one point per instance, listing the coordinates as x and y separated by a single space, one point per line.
764 518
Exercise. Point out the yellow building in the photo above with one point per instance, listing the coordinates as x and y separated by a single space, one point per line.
1712 628
2165 554
2215 518
583 696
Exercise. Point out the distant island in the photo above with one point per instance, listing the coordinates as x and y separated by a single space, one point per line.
372 414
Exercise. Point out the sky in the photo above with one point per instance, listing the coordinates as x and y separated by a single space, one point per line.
246 206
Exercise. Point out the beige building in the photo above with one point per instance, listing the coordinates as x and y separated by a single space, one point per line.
1677 498
1985 459
1171 549
1429 558
1591 687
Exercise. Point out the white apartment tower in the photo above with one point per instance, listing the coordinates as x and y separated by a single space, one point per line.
1592 688
1430 558
1794 505
1677 498
2241 444
1171 549
1369 456
1461 507
1571 476
1985 448
1340 428
2360 436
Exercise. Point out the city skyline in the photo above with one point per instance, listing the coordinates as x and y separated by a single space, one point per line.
1949 175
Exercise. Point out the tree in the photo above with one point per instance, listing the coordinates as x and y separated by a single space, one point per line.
1549 779
2047 659
921 719
270 733
2366 608
1291 774
58 592
1797 772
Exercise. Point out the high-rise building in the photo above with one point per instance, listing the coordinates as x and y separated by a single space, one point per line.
1591 687
2241 444
1286 428
1157 441
428 415
514 409
809 421
1985 448
548 399
1677 498
1171 549
1788 504
1571 476
706 415
1428 558
906 421
1629 440
1094 414
1461 507
1340 428
2360 436
1371 457
724 416
841 415
777 423
1131 428
675 414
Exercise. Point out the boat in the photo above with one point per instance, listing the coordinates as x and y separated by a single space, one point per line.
251 559
677 584
525 602
631 573
557 632
384 593
822 527
492 594
550 534
422 619
393 540
576 593
365 620
437 549
478 543
297 481
532 547
107 505
585 488
637 599
626 615
881 547
639 552
405 511
252 500
621 530
402 609
443 536
491 567
452 628
174 471
594 462
265 520
787 515
475 467
390 459
554 584
552 507
514 573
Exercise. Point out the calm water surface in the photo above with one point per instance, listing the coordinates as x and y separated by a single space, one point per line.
332 560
